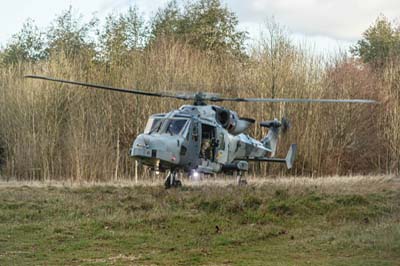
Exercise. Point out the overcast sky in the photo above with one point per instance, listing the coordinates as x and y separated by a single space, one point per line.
325 24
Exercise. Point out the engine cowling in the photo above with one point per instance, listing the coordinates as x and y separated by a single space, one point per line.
223 116
231 121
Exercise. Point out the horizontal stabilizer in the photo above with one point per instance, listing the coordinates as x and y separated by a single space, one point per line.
289 160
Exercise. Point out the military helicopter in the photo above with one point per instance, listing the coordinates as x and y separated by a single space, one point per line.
201 139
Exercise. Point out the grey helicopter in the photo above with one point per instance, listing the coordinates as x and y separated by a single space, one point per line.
203 139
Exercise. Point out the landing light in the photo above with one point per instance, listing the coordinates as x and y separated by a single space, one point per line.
195 176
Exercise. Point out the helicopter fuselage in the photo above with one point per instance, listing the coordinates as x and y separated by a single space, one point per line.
197 138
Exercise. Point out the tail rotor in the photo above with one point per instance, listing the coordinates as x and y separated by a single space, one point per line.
274 127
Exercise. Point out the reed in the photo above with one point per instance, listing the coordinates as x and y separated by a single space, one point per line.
51 131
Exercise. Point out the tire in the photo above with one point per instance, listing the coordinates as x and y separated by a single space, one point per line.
167 183
177 183
242 182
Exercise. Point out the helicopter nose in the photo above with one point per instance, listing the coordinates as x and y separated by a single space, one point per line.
157 148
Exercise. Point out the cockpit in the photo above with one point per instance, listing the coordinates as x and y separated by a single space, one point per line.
173 126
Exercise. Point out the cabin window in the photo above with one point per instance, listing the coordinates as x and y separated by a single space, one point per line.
152 124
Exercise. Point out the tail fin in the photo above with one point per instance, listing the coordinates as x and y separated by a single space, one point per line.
290 156
271 140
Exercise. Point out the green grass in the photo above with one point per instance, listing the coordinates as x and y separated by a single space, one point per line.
147 225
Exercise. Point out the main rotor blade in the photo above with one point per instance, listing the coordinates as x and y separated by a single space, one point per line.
104 87
202 96
292 100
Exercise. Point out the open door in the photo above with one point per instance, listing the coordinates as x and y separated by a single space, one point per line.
221 149
208 142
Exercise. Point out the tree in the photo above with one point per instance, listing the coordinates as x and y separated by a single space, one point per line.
213 27
275 50
204 24
122 34
70 35
26 45
380 42
166 22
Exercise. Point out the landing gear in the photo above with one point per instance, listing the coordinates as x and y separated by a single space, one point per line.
171 181
241 181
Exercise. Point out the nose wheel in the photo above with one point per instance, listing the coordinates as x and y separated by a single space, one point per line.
172 180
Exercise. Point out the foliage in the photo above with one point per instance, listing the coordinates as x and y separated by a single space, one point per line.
166 23
69 35
381 42
122 35
204 24
28 45
275 52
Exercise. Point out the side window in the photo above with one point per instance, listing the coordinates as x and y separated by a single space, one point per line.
221 141
195 133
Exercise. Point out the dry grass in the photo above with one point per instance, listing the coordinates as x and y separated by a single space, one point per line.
327 184
52 131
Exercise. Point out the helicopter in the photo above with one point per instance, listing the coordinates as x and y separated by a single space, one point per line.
203 139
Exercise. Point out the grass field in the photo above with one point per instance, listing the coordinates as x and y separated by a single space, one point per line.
286 221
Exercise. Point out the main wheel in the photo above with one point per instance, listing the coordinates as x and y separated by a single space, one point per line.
167 183
177 183
242 182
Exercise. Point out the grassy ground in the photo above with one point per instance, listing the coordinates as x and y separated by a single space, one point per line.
294 221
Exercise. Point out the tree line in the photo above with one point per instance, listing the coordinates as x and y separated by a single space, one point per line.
51 131
206 25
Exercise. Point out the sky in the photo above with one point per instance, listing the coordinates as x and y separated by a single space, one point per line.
324 25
